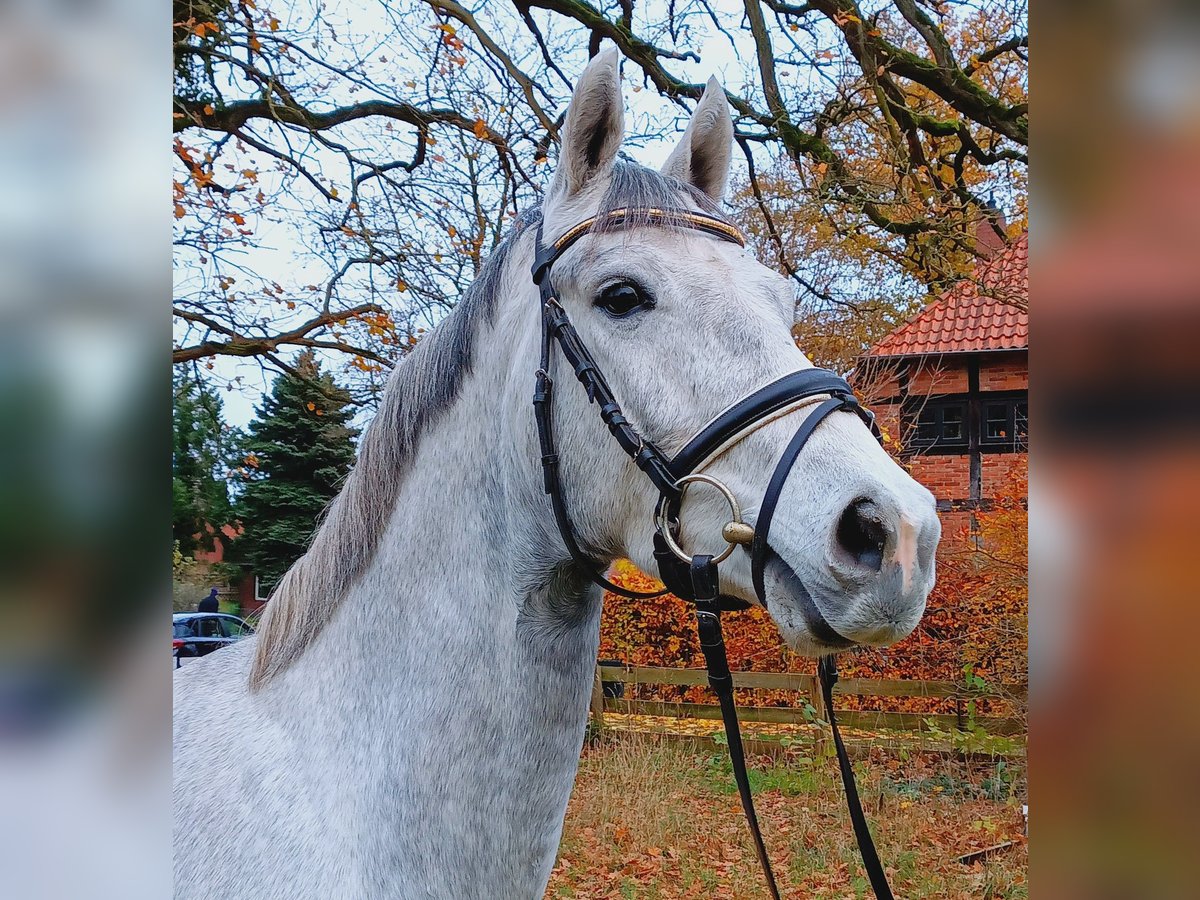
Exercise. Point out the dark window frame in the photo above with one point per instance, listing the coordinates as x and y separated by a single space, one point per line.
935 406
1012 401
914 407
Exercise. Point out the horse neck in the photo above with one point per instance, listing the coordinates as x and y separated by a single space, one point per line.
465 632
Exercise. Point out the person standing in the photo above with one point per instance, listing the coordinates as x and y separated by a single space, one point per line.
209 603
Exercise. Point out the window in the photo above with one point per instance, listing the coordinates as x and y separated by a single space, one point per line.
941 424
183 630
1005 422
992 421
233 628
208 627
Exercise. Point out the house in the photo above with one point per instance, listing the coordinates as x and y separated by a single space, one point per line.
951 385
242 590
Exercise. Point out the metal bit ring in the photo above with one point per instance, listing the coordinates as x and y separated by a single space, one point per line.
735 527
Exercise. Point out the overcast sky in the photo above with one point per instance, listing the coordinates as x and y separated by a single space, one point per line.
276 255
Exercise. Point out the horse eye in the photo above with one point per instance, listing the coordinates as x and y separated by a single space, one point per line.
622 299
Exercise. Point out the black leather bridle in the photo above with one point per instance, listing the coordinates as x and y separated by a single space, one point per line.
695 577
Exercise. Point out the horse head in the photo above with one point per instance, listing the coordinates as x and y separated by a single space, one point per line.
683 325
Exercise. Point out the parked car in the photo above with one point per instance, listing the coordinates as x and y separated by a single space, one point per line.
198 634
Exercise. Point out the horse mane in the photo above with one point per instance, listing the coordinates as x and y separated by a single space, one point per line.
420 390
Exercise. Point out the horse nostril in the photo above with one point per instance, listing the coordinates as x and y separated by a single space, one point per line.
861 535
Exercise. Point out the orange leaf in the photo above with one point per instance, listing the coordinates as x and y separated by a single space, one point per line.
311 406
179 211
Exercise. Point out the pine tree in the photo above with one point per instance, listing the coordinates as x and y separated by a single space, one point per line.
300 447
203 451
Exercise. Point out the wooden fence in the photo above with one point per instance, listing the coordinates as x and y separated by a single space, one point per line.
807 685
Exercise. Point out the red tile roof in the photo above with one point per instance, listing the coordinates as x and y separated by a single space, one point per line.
988 311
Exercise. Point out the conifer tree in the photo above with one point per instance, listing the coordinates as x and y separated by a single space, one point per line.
300 448
203 452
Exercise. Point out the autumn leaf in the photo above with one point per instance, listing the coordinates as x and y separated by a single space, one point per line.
180 212
481 129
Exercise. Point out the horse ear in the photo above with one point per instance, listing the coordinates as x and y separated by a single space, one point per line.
702 157
594 127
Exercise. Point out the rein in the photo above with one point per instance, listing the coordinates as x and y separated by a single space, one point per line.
695 577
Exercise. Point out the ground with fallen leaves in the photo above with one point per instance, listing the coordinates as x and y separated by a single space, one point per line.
654 818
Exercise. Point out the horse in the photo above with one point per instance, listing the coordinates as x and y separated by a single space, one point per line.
408 720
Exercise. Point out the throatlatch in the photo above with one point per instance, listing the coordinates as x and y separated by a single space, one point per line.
695 577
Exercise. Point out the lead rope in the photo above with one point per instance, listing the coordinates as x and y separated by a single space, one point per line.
705 583
705 586
828 676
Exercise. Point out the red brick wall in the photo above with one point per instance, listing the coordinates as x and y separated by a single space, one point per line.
996 470
944 376
955 522
887 416
1004 372
948 475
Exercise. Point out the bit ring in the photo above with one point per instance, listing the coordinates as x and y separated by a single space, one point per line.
736 527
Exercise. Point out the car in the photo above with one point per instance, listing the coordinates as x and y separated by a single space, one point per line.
198 634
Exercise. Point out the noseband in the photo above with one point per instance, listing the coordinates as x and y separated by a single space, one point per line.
695 577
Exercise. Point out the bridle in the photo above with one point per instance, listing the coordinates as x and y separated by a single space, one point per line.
695 577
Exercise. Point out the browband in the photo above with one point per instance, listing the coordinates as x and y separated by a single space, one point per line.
617 218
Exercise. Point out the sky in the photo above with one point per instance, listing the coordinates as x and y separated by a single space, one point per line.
276 255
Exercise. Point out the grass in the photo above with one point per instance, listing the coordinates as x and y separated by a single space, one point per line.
652 819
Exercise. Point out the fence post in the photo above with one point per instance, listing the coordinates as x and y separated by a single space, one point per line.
597 701
818 703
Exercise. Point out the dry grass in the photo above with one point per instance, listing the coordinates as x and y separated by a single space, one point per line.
654 819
